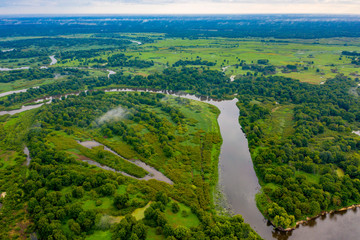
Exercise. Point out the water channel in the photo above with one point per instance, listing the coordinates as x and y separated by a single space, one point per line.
12 69
153 173
137 42
239 184
52 58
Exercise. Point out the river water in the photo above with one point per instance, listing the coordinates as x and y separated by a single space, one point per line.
110 73
12 69
53 60
153 173
22 109
11 92
28 158
137 42
239 184
8 50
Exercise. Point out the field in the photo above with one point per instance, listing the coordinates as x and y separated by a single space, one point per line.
315 60
225 52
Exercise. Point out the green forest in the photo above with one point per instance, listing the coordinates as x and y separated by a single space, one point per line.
60 196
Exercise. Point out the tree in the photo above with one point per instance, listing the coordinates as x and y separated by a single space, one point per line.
108 189
175 207
181 232
140 230
74 226
129 228
86 219
162 197
168 230
78 192
121 200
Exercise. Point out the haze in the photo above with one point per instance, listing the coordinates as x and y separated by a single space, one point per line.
178 7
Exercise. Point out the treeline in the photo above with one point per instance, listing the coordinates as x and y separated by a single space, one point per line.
266 70
121 60
355 61
354 56
79 54
348 53
138 38
195 62
28 74
202 81
207 83
280 26
22 54
35 74
46 42
334 92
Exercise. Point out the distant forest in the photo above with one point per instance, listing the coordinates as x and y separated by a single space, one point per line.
191 26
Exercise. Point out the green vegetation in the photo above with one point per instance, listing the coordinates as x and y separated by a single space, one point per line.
65 142
299 133
68 198
302 146
305 60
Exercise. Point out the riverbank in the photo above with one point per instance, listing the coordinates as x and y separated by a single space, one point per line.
306 222
219 199
308 219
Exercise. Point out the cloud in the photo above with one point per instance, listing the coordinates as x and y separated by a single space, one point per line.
116 114
70 3
177 6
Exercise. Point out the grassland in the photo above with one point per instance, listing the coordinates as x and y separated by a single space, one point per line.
316 60
63 142
322 58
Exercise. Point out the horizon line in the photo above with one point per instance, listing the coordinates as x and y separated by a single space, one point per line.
175 14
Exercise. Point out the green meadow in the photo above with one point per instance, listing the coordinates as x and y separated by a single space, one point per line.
316 60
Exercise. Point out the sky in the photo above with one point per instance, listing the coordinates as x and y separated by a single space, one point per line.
178 6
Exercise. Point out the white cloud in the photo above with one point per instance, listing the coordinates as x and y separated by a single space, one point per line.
178 6
116 114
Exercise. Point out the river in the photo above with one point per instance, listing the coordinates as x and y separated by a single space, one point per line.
12 69
53 60
22 109
110 73
8 50
239 184
28 158
137 42
153 173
